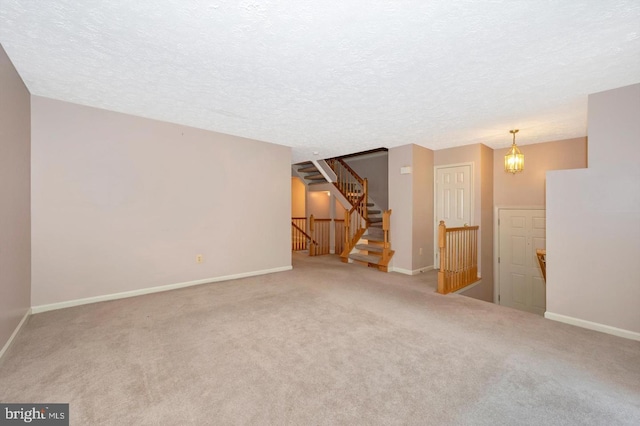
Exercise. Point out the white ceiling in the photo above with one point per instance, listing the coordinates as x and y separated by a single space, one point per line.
334 77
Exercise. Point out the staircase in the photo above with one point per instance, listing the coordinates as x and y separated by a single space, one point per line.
374 216
310 173
374 249
366 226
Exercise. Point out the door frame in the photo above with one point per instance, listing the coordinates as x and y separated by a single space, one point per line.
496 243
435 202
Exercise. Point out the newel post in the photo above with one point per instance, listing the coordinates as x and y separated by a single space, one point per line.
386 223
442 242
312 232
365 199
347 227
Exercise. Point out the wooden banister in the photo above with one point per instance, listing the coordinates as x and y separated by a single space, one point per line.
339 235
355 190
458 257
332 163
321 232
387 253
386 225
356 219
300 237
541 254
312 229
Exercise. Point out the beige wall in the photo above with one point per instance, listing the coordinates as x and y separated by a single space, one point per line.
528 188
339 209
422 208
593 223
465 154
411 202
374 167
401 202
484 291
122 203
15 215
614 121
318 204
298 195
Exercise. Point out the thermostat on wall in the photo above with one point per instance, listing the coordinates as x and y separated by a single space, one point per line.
406 170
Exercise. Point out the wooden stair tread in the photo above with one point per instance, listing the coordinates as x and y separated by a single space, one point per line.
308 169
315 177
371 211
368 258
370 247
374 219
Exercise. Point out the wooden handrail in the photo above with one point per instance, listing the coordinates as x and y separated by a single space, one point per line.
303 233
541 254
460 228
458 257
354 228
349 183
331 162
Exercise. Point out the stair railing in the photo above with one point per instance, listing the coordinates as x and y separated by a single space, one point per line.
353 187
320 230
355 190
354 228
300 240
541 254
339 236
386 246
458 257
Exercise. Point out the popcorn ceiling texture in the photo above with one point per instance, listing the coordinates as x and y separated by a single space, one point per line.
335 77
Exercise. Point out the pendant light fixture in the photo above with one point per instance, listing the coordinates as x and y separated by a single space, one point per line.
514 160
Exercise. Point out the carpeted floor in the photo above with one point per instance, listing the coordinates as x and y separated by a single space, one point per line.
324 344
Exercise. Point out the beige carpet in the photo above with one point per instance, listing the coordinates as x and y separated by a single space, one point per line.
324 344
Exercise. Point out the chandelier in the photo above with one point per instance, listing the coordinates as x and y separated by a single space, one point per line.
514 160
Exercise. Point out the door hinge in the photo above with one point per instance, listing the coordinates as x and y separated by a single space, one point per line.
498 298
498 259
498 222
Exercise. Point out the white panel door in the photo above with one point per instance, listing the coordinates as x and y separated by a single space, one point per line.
453 200
521 233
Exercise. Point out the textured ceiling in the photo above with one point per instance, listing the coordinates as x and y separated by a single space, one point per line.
334 77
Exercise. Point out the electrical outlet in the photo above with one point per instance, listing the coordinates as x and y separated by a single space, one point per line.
199 258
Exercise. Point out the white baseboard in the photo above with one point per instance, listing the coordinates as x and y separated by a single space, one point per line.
149 290
627 334
411 272
15 332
